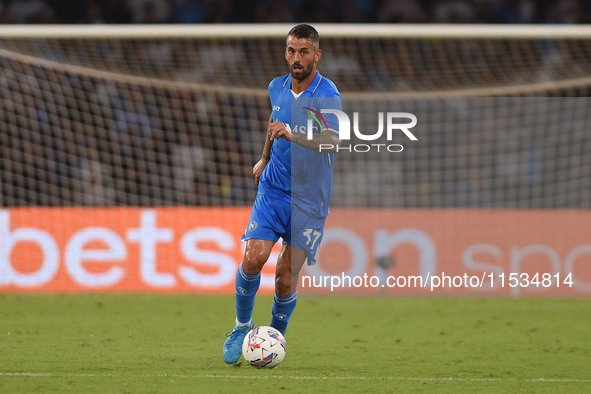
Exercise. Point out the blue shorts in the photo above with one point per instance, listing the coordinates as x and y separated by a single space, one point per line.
271 219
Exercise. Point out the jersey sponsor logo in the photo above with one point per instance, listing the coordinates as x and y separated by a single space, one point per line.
276 108
301 129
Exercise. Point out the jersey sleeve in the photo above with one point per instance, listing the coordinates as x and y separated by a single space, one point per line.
272 90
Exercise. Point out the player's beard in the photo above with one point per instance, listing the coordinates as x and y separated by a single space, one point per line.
304 74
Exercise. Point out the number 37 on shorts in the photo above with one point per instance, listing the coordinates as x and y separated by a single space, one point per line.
306 233
312 238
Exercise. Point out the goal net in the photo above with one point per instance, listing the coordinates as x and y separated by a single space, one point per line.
125 150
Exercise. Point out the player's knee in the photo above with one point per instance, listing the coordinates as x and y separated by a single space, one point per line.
253 262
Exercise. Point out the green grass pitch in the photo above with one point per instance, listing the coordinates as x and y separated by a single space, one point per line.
172 344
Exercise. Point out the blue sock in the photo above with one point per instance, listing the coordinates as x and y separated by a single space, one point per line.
246 289
282 309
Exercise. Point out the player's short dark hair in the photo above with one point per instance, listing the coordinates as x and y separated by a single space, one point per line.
304 30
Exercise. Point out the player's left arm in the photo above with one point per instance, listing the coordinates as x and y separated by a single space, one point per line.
326 138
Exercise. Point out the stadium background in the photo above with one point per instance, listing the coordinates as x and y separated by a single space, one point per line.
125 160
117 134
274 11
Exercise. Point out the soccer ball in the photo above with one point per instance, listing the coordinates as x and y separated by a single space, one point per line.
263 347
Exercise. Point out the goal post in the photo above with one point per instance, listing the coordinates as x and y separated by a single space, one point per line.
138 142
279 30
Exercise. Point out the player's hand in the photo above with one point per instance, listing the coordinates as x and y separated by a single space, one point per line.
278 130
257 170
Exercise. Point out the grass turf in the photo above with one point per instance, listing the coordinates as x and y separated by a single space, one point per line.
172 344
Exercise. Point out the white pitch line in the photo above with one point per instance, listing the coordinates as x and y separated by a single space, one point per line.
25 374
450 379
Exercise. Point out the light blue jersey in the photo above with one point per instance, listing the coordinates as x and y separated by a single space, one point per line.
296 174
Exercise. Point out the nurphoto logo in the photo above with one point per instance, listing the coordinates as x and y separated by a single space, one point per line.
345 130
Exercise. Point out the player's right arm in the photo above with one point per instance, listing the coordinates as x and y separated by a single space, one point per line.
265 157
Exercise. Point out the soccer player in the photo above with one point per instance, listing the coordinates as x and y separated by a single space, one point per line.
295 184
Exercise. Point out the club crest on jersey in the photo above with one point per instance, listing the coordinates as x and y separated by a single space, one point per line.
252 226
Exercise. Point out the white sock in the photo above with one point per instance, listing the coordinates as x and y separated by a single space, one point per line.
242 324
